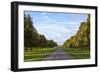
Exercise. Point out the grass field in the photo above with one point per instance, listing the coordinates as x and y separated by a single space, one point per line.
37 54
78 53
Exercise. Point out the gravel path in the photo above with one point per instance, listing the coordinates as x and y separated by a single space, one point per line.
59 54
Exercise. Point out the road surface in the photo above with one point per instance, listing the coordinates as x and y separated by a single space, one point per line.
59 54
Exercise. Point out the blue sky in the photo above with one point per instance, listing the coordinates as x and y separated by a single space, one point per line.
56 26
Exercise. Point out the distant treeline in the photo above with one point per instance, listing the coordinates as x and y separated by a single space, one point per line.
82 38
32 38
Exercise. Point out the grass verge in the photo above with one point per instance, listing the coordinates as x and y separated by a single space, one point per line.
37 54
78 53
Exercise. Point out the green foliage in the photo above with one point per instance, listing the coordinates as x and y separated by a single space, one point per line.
29 30
82 38
32 38
51 43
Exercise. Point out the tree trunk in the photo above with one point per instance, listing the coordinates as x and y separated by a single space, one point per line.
26 48
31 48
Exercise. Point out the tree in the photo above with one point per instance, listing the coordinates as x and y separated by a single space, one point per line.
42 41
82 38
32 38
51 43
29 32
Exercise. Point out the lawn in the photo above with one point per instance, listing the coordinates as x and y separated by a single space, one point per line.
37 54
78 53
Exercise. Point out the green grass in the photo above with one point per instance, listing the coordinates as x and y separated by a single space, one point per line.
78 53
37 54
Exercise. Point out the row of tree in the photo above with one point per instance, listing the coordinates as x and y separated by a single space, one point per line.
32 38
82 38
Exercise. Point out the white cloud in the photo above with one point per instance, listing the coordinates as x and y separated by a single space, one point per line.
57 22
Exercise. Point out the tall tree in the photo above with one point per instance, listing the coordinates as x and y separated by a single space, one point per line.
32 38
29 31
82 38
